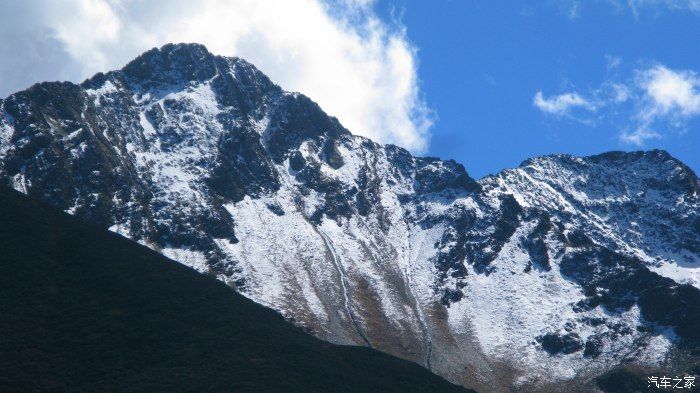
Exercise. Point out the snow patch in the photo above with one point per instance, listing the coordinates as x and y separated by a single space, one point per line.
194 259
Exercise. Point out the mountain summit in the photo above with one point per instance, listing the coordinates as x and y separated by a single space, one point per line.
545 276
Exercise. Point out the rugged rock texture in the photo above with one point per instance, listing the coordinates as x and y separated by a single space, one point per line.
560 270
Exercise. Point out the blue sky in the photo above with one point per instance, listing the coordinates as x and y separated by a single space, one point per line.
481 63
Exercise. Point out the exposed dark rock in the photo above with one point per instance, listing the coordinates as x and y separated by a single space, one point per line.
434 175
578 239
242 167
626 281
594 346
555 343
296 161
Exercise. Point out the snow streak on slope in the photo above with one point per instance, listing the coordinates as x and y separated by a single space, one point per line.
343 284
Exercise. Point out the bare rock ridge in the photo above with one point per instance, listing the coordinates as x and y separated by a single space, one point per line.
547 275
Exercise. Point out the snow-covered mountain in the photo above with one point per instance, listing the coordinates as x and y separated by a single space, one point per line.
549 274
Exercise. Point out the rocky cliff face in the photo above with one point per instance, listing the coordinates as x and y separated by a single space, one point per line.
559 270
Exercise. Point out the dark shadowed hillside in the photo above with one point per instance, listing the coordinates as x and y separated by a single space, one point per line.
85 310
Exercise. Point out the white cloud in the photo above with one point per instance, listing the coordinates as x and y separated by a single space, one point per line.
671 92
561 104
356 66
664 99
655 101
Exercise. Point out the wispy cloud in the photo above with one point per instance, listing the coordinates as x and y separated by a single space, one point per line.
638 137
637 5
612 62
574 8
646 105
561 104
570 8
357 66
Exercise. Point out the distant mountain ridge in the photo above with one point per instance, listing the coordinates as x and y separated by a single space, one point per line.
559 270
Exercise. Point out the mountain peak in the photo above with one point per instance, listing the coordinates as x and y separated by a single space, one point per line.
172 63
206 160
175 67
658 168
654 156
615 157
